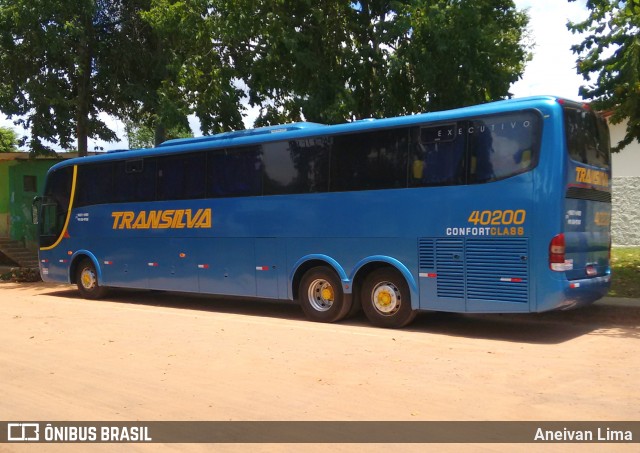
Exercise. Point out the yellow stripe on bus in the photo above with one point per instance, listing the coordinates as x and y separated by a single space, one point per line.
66 221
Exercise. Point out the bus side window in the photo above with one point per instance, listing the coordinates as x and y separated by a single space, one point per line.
502 146
182 177
437 156
481 150
234 172
135 180
95 184
370 161
296 166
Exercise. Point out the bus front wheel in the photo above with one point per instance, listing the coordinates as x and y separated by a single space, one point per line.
321 295
386 300
87 280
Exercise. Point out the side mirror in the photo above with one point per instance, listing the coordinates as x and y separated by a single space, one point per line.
35 209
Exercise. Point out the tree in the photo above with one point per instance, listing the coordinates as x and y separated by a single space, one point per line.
457 53
293 56
154 62
187 70
8 140
48 54
609 61
336 60
64 62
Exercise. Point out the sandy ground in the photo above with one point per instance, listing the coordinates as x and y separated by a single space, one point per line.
162 356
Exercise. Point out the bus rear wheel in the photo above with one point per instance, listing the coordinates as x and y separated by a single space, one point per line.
321 296
87 280
386 299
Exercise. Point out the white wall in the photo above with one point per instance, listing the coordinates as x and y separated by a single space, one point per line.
625 220
627 161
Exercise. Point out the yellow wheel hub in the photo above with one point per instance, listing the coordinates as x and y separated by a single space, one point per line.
327 293
384 298
321 295
87 279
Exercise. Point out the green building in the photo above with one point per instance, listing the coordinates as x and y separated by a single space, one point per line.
21 179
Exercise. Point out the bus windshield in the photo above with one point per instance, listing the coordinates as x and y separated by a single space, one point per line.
587 137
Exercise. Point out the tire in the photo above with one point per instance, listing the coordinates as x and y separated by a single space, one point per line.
355 309
87 281
321 296
386 300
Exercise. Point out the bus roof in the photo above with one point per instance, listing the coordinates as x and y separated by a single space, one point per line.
243 133
302 130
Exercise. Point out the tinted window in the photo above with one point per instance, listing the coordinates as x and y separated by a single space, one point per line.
370 160
438 154
587 137
502 146
234 173
182 177
134 180
94 184
297 166
476 150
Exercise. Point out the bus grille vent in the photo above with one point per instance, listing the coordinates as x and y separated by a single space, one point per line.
579 193
450 268
427 254
497 270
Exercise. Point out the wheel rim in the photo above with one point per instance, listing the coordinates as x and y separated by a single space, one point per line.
386 298
88 279
321 295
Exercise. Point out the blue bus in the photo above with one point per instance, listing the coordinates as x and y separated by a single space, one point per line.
501 207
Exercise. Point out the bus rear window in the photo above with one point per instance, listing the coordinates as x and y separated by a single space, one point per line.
587 137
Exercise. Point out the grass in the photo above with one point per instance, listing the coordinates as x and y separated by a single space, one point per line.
625 269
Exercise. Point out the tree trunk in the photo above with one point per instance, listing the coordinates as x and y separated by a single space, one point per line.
83 99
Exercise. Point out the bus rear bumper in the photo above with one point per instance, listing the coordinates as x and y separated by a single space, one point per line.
578 293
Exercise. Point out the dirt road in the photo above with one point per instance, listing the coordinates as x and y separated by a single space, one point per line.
162 356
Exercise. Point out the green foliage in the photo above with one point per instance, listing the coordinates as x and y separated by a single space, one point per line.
609 61
191 70
625 269
458 53
8 140
154 62
332 60
50 52
142 136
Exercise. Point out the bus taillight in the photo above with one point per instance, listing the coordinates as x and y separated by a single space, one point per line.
556 254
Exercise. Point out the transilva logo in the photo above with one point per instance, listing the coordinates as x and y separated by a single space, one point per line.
161 219
589 176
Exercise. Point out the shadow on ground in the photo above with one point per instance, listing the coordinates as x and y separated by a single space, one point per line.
537 328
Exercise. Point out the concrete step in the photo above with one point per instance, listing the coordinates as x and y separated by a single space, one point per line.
15 251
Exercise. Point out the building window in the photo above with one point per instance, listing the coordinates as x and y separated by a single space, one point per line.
30 183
